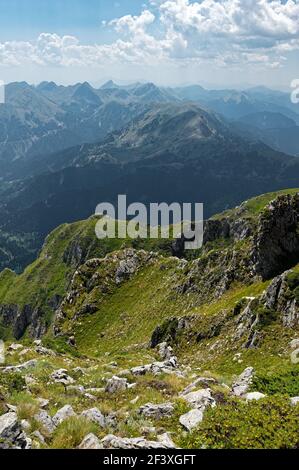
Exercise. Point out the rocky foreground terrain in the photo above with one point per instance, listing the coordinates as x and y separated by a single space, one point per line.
138 344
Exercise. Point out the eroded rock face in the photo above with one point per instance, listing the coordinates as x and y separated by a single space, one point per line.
276 244
23 319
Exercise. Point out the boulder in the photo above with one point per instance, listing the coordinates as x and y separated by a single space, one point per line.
202 381
254 396
45 420
294 401
12 434
200 399
61 376
117 384
166 440
242 384
95 416
114 442
150 410
20 367
63 414
90 442
191 419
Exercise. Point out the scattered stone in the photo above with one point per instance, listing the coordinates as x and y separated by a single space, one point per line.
113 442
254 396
11 433
29 380
165 351
63 414
43 403
12 408
295 401
294 344
61 376
15 347
153 411
166 440
200 399
25 424
45 420
90 442
242 384
202 381
19 368
134 401
168 367
79 371
117 384
191 419
95 416
76 389
37 342
44 351
39 436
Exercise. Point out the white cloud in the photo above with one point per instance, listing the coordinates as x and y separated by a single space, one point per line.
221 32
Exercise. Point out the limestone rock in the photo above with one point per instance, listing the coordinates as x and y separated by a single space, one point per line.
153 411
200 399
242 384
117 384
114 442
91 442
95 416
11 433
61 376
254 396
64 413
191 419
45 420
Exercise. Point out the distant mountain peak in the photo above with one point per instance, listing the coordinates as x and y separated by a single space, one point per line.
109 84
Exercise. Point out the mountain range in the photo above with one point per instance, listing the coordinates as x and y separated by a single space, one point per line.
65 149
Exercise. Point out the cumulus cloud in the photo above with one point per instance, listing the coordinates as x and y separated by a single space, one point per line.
222 32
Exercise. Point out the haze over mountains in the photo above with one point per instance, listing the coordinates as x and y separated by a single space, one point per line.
65 149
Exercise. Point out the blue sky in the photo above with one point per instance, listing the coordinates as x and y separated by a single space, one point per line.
216 42
23 19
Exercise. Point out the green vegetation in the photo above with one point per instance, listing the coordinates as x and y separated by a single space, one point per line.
271 423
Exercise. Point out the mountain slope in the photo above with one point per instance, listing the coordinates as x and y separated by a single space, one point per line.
181 330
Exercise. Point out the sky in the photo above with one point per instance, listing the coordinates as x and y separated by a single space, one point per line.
216 43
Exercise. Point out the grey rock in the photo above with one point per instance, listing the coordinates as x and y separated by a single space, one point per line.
166 440
242 384
200 399
114 442
61 376
294 344
116 384
200 381
153 411
295 401
39 436
254 396
95 416
11 433
21 367
90 442
63 414
45 420
191 419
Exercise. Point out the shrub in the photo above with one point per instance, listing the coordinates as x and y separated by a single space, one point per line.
284 383
271 423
